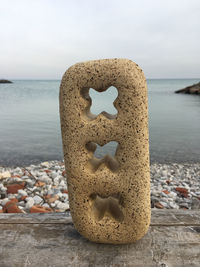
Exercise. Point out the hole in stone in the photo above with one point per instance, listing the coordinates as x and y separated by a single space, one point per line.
109 148
107 206
103 154
100 102
103 101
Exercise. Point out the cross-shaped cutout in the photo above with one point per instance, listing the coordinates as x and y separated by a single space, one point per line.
111 206
100 155
100 102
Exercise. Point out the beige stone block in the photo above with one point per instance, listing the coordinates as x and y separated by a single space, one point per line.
110 197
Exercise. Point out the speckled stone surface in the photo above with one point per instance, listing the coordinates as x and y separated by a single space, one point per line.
110 197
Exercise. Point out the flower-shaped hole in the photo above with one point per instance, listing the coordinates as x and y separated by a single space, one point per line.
107 206
101 155
100 102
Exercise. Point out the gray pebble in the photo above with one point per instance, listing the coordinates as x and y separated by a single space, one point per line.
4 201
165 205
22 192
62 206
21 203
37 200
54 175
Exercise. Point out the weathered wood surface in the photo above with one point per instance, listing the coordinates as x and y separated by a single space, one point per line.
51 240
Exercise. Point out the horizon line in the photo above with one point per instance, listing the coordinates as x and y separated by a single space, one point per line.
57 79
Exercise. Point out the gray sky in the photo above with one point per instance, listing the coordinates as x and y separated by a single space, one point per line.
42 38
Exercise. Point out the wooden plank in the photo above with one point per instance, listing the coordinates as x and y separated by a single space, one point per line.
159 217
51 240
175 217
32 218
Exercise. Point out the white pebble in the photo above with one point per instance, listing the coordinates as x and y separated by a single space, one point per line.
59 194
184 205
45 164
46 205
17 179
65 195
22 192
193 194
54 175
21 208
2 188
45 179
30 182
62 206
62 183
57 202
32 189
22 204
172 194
173 205
164 204
25 177
10 196
29 203
37 200
18 170
5 174
57 167
164 173
4 201
56 180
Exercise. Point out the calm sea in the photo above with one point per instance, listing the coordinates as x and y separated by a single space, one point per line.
30 126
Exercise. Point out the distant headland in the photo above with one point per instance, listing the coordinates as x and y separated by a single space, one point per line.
5 81
192 89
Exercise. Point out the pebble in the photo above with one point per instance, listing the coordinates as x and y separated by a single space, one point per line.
37 200
164 204
184 205
2 188
62 206
43 187
196 204
45 179
173 205
4 201
22 193
46 205
5 174
45 164
53 175
56 181
21 203
181 182
30 182
29 203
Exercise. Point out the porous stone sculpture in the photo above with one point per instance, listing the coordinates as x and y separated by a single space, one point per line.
110 197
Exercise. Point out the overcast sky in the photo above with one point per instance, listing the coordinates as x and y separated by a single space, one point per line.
40 39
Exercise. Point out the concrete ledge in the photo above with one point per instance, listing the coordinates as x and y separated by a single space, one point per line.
50 239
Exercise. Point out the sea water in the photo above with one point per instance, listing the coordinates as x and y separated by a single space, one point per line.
30 124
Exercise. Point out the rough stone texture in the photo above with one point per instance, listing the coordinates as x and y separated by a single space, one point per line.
110 197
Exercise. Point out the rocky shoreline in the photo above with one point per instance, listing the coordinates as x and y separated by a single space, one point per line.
42 188
5 81
192 89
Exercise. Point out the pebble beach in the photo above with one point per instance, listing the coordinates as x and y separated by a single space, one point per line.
43 188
